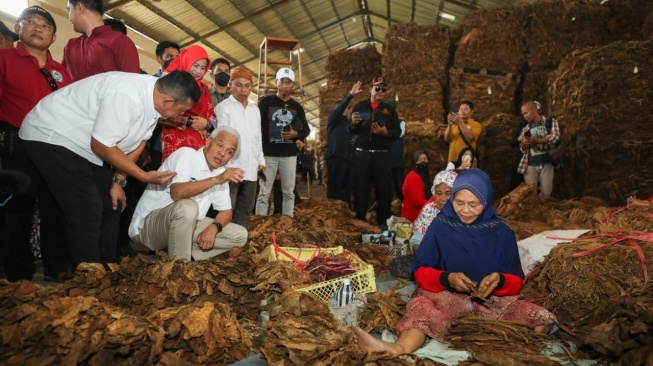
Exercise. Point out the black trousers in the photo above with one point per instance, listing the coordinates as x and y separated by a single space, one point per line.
398 182
17 214
338 187
81 190
372 168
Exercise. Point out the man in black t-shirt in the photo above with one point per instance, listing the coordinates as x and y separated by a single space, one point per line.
282 122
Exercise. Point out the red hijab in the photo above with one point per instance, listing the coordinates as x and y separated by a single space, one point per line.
185 60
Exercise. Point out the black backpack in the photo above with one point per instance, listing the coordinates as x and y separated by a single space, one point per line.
558 152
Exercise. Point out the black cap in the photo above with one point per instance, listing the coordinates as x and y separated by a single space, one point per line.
7 31
37 10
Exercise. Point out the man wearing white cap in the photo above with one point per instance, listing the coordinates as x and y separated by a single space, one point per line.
282 123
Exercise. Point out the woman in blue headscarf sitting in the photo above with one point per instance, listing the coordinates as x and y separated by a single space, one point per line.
468 262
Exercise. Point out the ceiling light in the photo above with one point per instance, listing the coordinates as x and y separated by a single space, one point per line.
447 16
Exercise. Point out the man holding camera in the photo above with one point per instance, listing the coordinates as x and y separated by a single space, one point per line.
535 141
282 122
375 124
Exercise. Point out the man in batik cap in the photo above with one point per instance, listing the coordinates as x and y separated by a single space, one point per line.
239 112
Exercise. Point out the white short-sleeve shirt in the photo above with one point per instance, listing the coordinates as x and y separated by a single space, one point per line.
190 165
115 108
247 121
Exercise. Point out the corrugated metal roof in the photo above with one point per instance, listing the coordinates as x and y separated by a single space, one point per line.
235 29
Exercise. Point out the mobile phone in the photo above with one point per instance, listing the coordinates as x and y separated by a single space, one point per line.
364 115
527 133
262 176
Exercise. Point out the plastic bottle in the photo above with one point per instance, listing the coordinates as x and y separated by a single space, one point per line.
264 315
345 294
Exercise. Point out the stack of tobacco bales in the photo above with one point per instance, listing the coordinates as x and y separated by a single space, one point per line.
647 29
497 155
602 98
488 58
559 27
415 64
493 39
555 29
491 94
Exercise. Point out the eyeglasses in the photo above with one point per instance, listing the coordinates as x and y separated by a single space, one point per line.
49 78
47 28
284 111
380 89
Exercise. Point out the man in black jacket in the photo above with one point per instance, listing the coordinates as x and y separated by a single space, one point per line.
338 154
375 124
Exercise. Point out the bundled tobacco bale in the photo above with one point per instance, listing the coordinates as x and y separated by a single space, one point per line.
42 327
522 203
609 146
490 94
574 287
494 39
629 19
535 86
647 29
574 214
420 102
416 54
560 27
629 217
497 156
352 64
621 327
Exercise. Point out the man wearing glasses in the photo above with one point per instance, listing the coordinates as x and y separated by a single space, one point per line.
375 124
28 74
282 123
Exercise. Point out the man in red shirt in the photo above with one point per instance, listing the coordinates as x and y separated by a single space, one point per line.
27 74
99 49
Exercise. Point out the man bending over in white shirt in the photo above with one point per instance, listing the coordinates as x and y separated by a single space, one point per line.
174 215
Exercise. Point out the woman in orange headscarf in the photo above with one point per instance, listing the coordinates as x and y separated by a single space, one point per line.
195 60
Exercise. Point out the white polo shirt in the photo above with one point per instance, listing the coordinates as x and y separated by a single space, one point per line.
190 165
247 121
116 108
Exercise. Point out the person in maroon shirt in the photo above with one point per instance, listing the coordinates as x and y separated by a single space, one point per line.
99 49
27 74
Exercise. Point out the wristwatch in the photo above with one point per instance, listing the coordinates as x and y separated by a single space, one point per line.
218 225
118 181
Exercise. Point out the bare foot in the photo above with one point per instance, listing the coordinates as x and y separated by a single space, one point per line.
369 343
543 329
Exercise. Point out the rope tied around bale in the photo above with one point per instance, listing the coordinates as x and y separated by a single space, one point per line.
629 238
